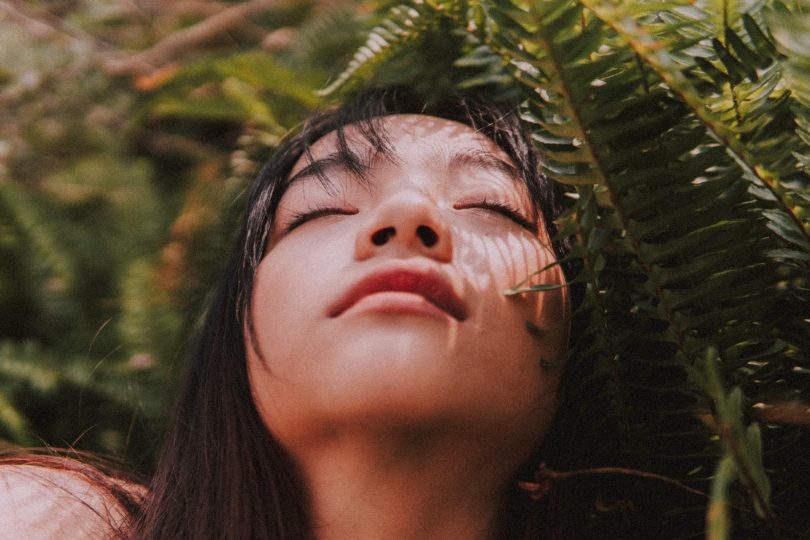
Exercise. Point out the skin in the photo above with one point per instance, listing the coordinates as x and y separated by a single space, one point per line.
406 422
38 502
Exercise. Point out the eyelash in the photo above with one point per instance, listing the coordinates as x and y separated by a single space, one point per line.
498 207
300 218
505 209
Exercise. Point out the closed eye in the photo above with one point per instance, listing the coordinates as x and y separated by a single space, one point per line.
300 218
502 208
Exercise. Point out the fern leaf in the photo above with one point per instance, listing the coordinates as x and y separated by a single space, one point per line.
656 55
401 27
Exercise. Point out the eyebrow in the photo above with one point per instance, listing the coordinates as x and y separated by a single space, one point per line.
358 166
481 159
342 160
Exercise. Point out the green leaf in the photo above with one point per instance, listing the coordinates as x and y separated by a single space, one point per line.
718 514
786 228
746 56
761 41
753 449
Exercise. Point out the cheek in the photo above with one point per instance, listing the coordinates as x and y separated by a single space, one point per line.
279 312
293 280
270 298
288 309
281 302
495 264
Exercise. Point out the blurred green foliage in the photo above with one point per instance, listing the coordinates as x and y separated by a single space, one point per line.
130 132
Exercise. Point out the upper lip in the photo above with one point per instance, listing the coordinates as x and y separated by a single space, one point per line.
429 284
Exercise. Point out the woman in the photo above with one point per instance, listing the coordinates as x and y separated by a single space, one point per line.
360 372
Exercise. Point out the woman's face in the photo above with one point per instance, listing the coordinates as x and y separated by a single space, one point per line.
380 301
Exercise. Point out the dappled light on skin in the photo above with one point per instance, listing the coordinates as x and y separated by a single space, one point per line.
392 327
522 260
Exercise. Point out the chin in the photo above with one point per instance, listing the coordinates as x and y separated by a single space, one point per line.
389 364
420 346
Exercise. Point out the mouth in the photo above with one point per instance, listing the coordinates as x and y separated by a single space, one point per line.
431 286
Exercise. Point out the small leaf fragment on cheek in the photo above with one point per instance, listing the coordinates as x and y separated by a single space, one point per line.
533 329
546 363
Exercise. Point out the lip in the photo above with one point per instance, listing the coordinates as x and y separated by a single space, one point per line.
429 284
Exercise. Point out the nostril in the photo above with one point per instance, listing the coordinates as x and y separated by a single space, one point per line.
427 235
382 236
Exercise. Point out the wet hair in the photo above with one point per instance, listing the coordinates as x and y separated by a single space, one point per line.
221 473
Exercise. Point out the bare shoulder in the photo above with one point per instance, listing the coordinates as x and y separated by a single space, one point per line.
43 502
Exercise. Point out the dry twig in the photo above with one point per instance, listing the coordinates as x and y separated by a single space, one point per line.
168 48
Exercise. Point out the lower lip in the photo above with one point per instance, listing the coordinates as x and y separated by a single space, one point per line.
396 303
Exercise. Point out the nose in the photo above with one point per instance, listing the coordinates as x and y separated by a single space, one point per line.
409 223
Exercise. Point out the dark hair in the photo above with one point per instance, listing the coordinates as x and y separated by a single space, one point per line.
221 473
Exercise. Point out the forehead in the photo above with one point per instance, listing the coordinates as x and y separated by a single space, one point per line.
410 137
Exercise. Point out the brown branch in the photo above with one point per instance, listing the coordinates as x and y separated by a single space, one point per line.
546 475
169 47
36 28
117 62
43 26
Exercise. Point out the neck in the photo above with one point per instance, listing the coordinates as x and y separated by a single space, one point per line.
405 484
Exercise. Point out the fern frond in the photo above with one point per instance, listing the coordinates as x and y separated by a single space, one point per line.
399 29
110 393
328 39
795 228
46 242
790 30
